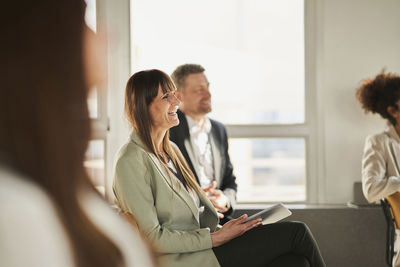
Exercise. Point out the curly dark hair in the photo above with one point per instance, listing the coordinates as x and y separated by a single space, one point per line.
182 71
376 95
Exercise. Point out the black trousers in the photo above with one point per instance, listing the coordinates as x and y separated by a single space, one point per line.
284 244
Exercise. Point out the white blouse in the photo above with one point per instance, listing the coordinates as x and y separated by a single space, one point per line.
31 233
191 192
200 140
380 165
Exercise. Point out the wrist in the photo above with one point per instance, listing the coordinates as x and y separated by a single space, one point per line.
215 239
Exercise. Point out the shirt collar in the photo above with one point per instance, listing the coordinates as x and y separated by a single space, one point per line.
202 127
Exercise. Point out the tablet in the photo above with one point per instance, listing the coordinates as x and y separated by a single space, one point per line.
272 214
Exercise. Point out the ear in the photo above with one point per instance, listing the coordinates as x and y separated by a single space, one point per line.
394 112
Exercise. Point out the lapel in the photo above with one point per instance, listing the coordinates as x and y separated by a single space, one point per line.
394 146
189 150
215 148
391 131
209 221
184 132
216 153
172 182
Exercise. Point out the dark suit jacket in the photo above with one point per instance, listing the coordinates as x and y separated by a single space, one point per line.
223 169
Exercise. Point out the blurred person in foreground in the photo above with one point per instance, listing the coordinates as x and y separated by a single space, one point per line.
381 158
203 141
50 214
154 183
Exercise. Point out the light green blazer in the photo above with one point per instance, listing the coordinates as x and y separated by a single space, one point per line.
165 212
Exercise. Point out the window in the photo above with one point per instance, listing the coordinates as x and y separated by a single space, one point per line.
254 55
269 169
94 164
90 14
95 156
90 19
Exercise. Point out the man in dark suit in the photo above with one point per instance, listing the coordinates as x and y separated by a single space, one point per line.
202 141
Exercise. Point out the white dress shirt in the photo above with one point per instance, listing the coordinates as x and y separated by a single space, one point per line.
200 140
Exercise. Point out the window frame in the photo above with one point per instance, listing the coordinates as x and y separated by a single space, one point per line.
100 125
307 130
116 17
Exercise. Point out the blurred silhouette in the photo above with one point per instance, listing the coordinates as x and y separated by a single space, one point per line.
50 213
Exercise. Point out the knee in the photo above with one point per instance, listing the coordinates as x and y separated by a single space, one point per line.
300 226
300 230
302 261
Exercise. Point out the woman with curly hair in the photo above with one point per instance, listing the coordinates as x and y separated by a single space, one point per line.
380 163
380 167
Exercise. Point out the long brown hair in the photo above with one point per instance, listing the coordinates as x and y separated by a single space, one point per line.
43 114
141 89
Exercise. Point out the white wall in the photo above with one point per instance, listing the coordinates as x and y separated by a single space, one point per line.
356 39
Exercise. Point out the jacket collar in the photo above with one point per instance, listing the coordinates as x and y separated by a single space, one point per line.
183 124
173 183
195 127
391 131
136 139
215 147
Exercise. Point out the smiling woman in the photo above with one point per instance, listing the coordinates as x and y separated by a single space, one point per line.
163 110
154 183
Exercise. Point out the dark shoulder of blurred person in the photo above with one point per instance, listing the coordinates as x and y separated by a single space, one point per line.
50 214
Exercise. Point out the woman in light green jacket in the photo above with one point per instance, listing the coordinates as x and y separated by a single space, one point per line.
153 183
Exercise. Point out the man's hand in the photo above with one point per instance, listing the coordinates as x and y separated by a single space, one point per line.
217 197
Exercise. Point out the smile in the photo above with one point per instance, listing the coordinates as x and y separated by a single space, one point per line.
173 112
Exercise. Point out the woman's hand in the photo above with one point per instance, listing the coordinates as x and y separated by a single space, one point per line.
232 229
